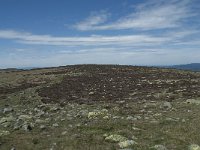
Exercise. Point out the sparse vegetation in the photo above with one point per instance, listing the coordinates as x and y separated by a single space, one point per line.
99 107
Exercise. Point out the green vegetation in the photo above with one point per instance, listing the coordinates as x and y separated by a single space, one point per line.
158 111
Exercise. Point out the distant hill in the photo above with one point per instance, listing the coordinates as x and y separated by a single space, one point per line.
192 67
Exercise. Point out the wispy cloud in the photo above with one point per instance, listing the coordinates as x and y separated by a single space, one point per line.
151 15
28 38
95 18
178 37
155 32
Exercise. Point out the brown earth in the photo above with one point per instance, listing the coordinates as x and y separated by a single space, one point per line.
113 83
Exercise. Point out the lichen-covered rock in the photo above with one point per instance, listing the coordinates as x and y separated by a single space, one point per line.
40 121
91 93
55 125
54 108
25 117
17 125
131 118
194 147
135 128
115 138
64 133
159 147
96 114
193 101
166 105
6 124
3 133
7 110
7 119
42 127
106 117
127 143
27 127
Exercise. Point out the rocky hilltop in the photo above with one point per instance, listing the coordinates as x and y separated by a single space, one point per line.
99 107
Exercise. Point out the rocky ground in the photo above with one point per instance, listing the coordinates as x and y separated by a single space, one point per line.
99 107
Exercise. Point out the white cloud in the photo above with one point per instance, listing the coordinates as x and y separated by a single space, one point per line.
179 44
151 15
98 40
126 40
94 19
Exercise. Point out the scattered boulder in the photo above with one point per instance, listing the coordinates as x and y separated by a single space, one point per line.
17 125
64 133
7 119
55 125
25 117
194 147
115 138
126 144
13 148
4 133
159 147
166 105
136 129
42 127
131 118
183 120
54 108
40 114
7 110
96 114
154 121
106 117
91 93
40 121
171 119
134 138
6 124
193 101
27 127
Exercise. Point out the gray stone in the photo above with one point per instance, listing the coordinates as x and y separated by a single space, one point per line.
4 133
115 138
166 105
54 108
160 147
64 133
171 119
91 93
193 101
6 124
25 117
126 143
40 121
55 125
131 118
17 126
27 127
7 110
42 127
194 147
7 119
183 120
136 129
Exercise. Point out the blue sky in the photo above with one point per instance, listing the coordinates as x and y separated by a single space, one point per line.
38 33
